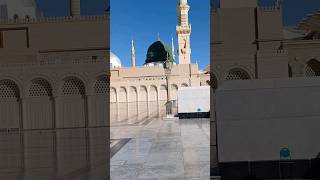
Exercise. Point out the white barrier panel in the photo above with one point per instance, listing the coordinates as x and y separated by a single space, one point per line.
258 118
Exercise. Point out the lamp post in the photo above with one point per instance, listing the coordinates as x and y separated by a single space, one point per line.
167 65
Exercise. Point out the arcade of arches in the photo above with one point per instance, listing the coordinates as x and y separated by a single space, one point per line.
143 93
41 104
310 68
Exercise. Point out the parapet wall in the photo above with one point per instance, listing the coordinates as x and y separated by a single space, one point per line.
51 33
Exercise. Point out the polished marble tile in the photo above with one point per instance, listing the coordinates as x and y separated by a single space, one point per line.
72 154
162 149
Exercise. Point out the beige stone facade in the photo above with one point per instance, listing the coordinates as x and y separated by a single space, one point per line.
54 72
135 84
251 42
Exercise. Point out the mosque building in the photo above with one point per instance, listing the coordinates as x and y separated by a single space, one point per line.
14 9
148 83
250 42
50 76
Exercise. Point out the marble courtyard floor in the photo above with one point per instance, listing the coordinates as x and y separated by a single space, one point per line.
160 149
64 154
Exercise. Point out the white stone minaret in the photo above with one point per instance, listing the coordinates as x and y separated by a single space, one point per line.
75 7
172 48
183 31
133 56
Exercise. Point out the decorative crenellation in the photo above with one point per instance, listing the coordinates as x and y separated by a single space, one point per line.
269 8
47 61
146 78
61 19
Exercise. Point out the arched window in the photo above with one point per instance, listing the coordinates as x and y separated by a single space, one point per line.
8 89
101 85
10 106
237 74
312 68
40 88
73 86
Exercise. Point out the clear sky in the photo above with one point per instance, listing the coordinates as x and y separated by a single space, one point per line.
61 7
142 20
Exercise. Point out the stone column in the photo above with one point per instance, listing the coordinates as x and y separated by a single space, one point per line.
89 118
56 112
169 87
23 113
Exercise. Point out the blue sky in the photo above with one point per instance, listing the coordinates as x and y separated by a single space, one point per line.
142 20
61 7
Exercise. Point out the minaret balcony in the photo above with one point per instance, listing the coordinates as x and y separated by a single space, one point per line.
184 29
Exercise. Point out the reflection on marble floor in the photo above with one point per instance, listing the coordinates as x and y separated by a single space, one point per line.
164 149
70 154
135 113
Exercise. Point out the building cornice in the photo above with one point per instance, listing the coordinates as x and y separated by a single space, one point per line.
62 19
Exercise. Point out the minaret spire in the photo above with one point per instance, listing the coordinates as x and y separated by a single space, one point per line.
172 49
183 31
133 56
75 8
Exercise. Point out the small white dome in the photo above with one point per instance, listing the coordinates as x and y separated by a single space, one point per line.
114 61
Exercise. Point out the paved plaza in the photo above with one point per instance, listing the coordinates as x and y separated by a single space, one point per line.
160 148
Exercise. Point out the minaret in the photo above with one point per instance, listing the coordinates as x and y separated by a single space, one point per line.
133 56
183 31
75 7
172 49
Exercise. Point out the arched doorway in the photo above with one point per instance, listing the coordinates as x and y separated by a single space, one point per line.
40 105
72 109
143 102
163 93
133 105
113 95
153 93
99 104
10 111
143 94
123 98
133 94
174 90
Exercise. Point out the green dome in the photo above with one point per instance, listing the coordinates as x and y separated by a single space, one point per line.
158 52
